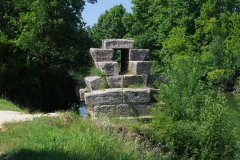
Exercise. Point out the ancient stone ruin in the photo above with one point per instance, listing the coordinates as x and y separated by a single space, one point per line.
118 99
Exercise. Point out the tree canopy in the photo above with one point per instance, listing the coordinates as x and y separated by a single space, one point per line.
194 28
109 24
40 42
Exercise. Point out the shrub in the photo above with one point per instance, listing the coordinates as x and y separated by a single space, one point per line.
192 121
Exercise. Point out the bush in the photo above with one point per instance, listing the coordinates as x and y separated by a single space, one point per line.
192 122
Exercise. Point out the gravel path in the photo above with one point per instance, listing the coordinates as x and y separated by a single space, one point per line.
12 116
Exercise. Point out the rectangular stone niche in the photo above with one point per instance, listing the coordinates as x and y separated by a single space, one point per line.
124 60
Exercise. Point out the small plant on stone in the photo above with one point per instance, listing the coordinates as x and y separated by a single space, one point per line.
123 95
104 84
95 71
129 72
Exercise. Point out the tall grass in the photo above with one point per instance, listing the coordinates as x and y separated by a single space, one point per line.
233 103
95 71
67 137
7 105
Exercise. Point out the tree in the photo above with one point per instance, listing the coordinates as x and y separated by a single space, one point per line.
43 39
213 30
109 24
197 27
140 24
152 22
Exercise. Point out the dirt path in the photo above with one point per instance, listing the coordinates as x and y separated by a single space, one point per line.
12 116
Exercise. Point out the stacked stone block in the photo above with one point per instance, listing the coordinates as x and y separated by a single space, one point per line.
117 100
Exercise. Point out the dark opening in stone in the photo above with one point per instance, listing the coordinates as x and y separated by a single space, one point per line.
124 60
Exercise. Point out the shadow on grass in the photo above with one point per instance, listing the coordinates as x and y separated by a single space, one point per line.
26 154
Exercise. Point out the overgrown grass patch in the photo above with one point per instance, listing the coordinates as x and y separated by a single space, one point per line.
95 71
68 137
8 105
233 103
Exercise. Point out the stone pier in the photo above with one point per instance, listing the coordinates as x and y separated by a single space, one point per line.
118 100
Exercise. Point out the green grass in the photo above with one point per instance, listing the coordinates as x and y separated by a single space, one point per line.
233 102
95 71
69 137
7 105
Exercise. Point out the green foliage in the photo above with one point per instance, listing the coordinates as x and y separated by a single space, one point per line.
39 44
109 24
95 71
216 75
152 21
233 102
192 122
237 85
104 85
208 29
177 43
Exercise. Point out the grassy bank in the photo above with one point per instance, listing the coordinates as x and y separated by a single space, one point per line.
68 137
72 137
7 105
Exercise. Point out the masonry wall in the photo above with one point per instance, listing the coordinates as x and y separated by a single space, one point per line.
119 100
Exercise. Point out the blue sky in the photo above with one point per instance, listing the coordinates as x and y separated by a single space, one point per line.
91 12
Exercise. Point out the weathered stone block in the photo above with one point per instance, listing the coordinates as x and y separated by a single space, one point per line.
104 97
134 79
100 55
138 54
118 44
144 78
123 110
90 107
82 91
139 109
91 113
105 110
115 81
108 68
139 67
143 109
94 83
136 95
